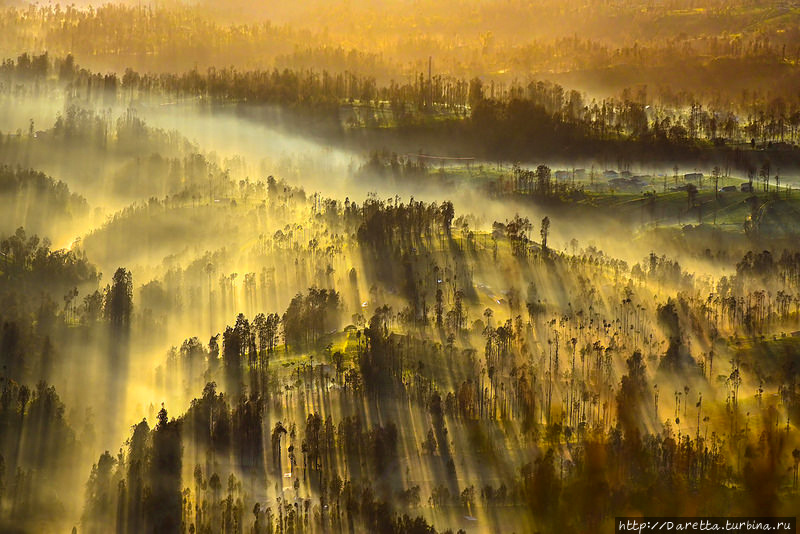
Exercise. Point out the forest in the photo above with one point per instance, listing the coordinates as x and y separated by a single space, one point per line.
397 267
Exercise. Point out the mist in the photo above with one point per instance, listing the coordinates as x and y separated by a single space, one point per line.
397 266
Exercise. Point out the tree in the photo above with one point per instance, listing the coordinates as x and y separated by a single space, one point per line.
232 347
764 174
99 510
475 92
164 499
544 231
633 395
448 213
260 328
517 232
277 433
309 316
118 303
439 307
543 186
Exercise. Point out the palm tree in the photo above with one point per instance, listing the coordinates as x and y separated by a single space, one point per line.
487 313
685 399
